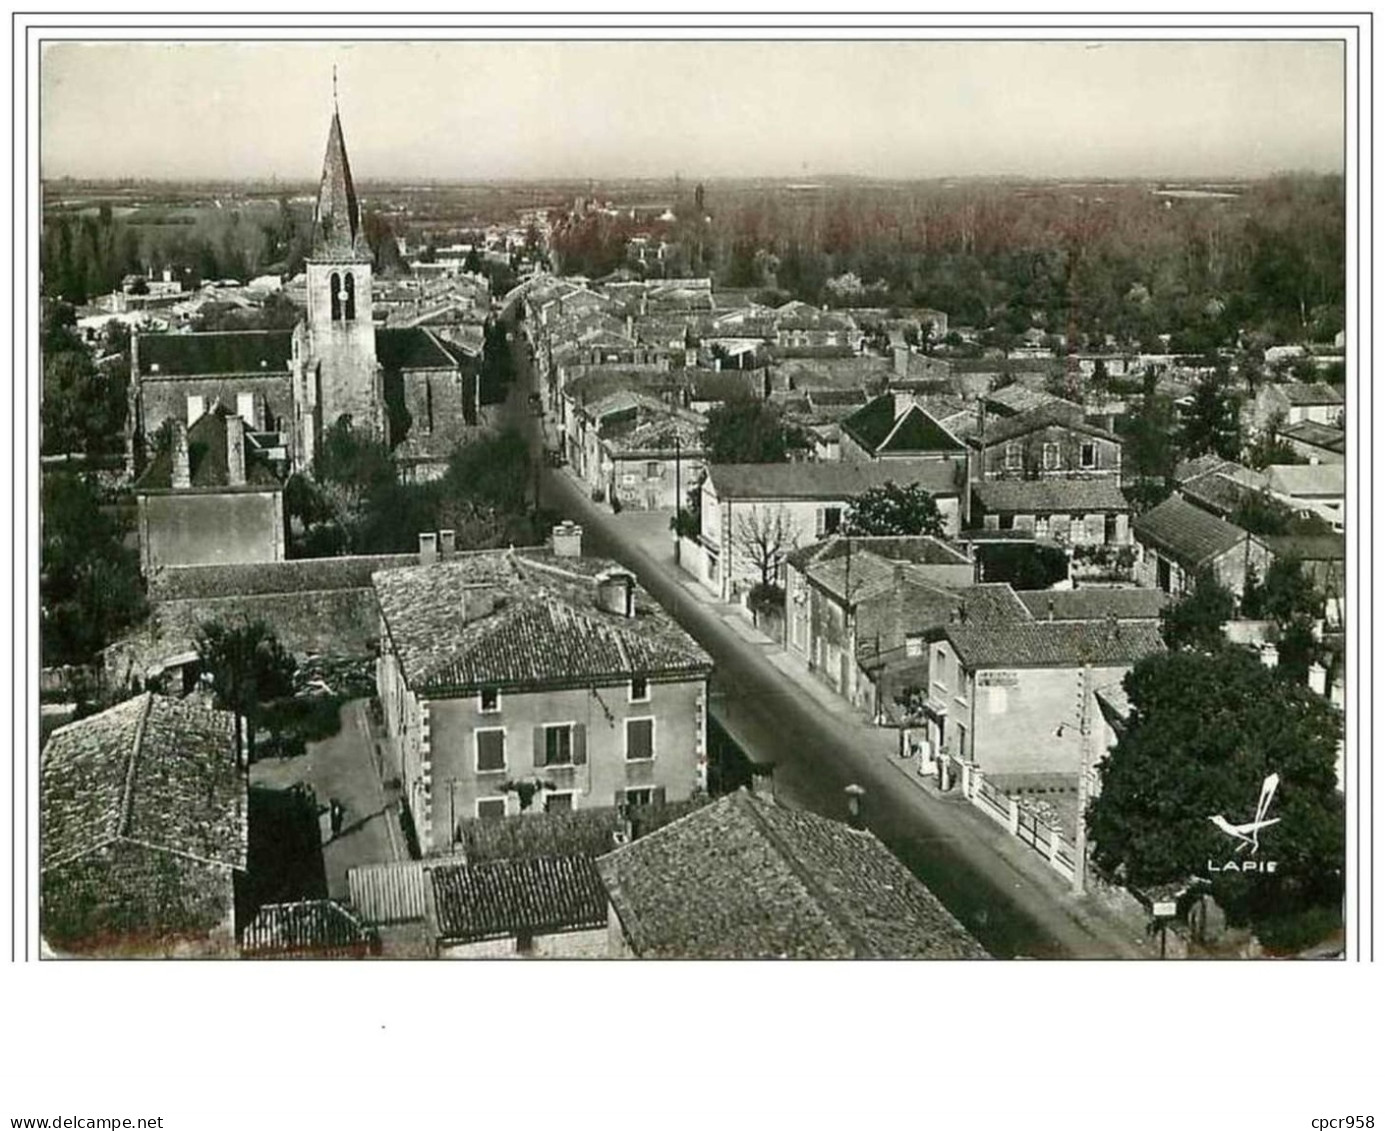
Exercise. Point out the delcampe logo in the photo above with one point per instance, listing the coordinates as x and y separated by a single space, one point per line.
1247 835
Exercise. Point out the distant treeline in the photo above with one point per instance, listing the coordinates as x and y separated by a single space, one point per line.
1085 260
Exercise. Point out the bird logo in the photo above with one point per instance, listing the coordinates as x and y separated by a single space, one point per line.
1248 834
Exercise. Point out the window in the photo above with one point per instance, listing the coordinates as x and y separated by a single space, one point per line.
1089 456
1014 457
639 740
349 299
913 646
639 690
488 702
490 808
1050 457
653 469
636 796
490 750
555 745
829 520
559 802
334 285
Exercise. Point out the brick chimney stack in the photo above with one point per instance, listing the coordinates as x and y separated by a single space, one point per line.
235 452
854 794
182 471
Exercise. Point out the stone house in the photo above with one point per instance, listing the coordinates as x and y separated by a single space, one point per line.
1054 440
1076 512
212 497
1316 443
1296 402
539 679
143 831
1181 540
894 429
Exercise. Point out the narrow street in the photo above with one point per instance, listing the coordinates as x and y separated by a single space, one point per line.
998 887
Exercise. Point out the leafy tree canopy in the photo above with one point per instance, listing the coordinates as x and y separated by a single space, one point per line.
893 509
1195 623
248 667
748 431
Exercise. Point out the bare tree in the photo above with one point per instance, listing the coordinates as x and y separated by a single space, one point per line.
765 536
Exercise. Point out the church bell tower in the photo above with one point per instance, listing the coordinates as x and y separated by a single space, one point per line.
341 376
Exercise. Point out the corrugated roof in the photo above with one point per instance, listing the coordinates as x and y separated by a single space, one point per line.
506 898
1054 644
827 481
158 771
745 878
1050 496
266 352
1185 532
1094 603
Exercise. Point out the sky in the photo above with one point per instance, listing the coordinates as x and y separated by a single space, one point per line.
499 111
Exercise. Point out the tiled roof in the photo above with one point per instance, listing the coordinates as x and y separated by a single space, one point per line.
506 898
1317 393
1217 492
659 436
922 548
412 348
1057 413
878 429
1054 644
580 832
991 602
827 481
1319 435
312 928
157 771
1094 603
1309 548
1199 465
1050 496
207 458
745 878
482 620
307 575
1017 398
244 351
1185 532
1309 481
868 373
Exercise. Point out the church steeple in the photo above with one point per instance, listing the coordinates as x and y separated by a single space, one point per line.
337 219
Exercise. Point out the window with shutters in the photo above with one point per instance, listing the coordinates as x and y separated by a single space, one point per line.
1014 457
490 749
1050 457
560 744
490 808
643 796
639 740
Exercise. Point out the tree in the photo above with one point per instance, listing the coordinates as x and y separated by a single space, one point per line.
1149 452
1286 593
893 509
1212 422
748 431
248 666
1203 734
765 535
1195 623
89 582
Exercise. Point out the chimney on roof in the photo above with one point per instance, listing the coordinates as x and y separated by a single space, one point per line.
615 593
235 452
901 361
447 543
903 402
427 548
1269 655
762 780
854 795
1052 604
1317 678
567 540
182 471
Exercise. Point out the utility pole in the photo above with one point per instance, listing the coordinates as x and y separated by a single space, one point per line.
1079 863
677 496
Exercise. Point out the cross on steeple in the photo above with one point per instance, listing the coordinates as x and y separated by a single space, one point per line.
334 87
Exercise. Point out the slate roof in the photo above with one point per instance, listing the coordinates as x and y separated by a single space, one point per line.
207 459
240 351
1185 532
877 429
155 771
828 481
337 217
480 620
505 898
1050 496
1303 394
1094 603
746 878
412 348
311 928
1309 481
1054 644
1319 435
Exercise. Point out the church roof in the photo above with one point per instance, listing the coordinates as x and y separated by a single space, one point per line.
337 228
